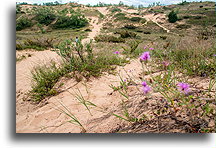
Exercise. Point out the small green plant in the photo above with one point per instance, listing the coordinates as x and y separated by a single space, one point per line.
20 58
83 101
126 34
133 46
109 38
42 30
44 79
126 116
73 119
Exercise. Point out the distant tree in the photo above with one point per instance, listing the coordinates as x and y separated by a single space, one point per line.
140 6
121 3
22 3
172 17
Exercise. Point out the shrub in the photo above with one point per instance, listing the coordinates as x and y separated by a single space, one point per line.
136 19
172 17
183 26
73 21
37 43
115 10
23 23
107 38
133 46
44 79
120 16
128 26
126 34
44 16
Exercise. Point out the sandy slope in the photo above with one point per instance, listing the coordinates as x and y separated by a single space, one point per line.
99 93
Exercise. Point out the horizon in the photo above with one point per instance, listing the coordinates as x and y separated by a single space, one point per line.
145 3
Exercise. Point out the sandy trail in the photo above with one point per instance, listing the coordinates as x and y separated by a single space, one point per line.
155 18
96 25
95 30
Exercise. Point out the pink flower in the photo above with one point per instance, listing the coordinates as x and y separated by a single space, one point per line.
145 47
116 52
151 48
165 63
183 88
146 89
144 84
145 56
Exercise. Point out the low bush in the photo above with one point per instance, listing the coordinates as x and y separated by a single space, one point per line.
183 26
73 21
23 23
120 17
136 19
109 38
44 79
129 26
36 43
115 10
44 15
126 34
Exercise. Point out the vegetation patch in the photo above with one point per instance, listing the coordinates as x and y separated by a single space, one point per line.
77 59
109 38
73 21
23 23
44 15
126 34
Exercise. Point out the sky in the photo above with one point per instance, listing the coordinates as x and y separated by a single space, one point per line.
128 2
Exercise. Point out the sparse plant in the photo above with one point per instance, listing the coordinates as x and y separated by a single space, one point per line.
83 101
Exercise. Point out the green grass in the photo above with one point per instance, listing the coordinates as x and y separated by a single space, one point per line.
189 58
44 79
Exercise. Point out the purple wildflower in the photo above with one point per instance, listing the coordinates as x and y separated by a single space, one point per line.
183 87
146 89
144 84
151 48
165 63
145 56
116 52
145 47
214 55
